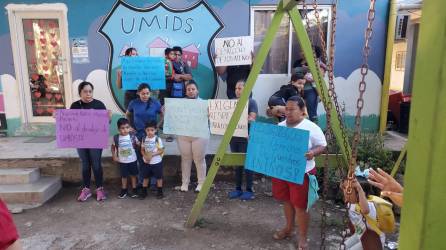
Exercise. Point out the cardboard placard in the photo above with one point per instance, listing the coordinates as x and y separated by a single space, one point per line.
82 128
234 51
277 151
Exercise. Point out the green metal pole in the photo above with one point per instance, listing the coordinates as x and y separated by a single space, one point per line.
218 158
388 66
423 220
305 44
398 162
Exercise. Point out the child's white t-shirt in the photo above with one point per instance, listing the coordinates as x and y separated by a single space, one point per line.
150 146
126 152
357 219
317 138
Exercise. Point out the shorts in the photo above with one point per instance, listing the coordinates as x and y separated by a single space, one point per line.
294 193
128 169
152 170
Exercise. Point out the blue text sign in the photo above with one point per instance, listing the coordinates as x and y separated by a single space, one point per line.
139 69
277 151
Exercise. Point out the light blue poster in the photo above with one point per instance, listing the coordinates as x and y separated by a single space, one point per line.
277 151
151 30
188 117
143 69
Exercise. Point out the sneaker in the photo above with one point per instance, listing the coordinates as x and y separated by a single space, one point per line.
159 195
134 193
85 194
123 194
235 194
198 188
143 194
169 139
100 194
246 196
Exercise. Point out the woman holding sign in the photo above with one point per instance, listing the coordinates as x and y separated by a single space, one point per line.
90 157
129 94
142 110
192 149
295 196
240 145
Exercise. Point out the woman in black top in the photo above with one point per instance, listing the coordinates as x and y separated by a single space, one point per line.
90 157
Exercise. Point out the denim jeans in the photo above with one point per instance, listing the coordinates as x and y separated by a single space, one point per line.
240 145
310 96
91 158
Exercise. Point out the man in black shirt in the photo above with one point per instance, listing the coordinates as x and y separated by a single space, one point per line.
233 75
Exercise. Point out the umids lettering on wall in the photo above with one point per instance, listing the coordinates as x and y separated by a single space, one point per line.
155 23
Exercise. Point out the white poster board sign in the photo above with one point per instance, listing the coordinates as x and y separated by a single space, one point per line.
220 112
234 51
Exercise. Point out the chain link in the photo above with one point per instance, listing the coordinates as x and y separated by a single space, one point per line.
330 68
329 133
360 102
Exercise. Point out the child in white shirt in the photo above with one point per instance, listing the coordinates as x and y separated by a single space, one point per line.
363 236
152 150
123 151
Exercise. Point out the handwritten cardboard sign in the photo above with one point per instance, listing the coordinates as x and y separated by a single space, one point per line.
82 128
277 151
139 69
186 117
233 50
220 112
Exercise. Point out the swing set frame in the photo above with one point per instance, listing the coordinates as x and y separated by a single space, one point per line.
237 159
422 219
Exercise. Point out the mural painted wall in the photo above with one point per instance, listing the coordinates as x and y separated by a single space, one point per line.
86 17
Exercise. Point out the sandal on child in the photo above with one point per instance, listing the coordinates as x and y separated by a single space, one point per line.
282 234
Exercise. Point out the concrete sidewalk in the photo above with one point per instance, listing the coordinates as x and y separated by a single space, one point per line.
19 148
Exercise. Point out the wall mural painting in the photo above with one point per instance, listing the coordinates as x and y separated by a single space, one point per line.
151 30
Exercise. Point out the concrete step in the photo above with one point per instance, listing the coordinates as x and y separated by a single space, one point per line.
19 175
35 193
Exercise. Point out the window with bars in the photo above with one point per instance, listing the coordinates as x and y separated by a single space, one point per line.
285 50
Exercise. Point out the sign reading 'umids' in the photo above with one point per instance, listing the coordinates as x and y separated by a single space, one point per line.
233 51
220 112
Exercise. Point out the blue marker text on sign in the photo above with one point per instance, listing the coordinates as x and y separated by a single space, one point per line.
187 117
143 69
277 151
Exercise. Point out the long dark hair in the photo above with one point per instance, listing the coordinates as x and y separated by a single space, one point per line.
129 51
145 86
82 86
299 101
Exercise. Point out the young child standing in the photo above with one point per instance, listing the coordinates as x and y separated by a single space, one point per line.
152 150
362 213
123 151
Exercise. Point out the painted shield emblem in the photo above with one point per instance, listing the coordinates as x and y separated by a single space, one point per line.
151 30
